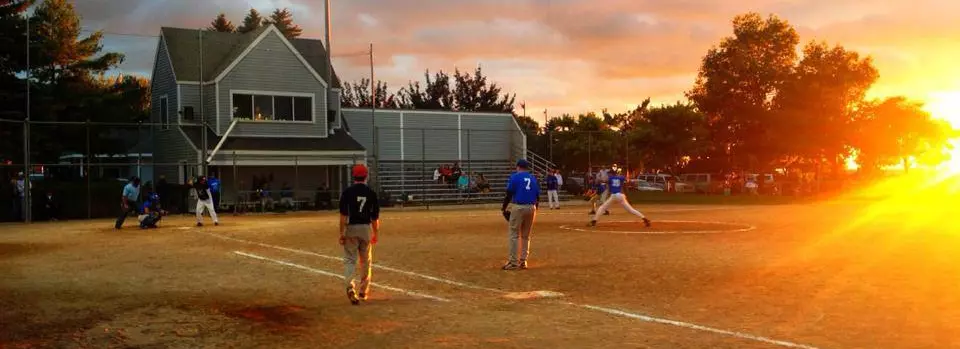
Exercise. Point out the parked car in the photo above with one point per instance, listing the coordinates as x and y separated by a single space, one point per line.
657 179
647 186
703 182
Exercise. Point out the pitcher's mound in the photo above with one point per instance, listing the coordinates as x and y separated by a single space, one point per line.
662 227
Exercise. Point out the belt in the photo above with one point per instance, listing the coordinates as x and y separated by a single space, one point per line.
520 204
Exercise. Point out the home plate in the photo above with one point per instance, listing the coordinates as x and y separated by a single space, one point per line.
533 295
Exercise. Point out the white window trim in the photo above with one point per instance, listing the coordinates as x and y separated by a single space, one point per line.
313 105
164 120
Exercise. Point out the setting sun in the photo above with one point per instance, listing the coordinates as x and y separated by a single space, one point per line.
946 106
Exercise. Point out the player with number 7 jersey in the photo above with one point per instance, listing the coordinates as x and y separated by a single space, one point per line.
359 228
523 192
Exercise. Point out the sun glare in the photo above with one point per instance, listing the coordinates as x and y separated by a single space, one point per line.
945 106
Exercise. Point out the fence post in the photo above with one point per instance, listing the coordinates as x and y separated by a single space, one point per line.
236 186
469 159
89 159
423 166
589 151
296 177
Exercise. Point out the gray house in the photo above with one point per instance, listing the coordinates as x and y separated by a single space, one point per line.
270 114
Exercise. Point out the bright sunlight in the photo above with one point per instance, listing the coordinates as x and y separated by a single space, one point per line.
946 106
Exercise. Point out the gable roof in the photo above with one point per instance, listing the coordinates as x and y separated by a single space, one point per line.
221 49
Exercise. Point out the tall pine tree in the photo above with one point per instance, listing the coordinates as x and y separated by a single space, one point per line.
222 24
251 22
283 20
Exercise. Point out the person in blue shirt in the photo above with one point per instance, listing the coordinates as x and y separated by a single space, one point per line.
151 212
616 184
553 187
214 184
523 192
128 201
598 198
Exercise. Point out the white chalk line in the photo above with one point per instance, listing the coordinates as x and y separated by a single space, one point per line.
375 265
327 273
693 326
645 318
743 228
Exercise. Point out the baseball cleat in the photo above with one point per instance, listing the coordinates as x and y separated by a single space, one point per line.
362 296
510 266
199 224
523 265
216 223
593 223
352 296
646 222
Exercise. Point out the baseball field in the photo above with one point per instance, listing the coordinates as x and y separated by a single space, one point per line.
837 274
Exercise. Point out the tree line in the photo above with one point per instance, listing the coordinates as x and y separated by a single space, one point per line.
757 104
68 82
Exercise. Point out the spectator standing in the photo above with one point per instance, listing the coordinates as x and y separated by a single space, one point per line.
286 195
51 207
436 175
553 197
483 185
128 201
19 192
556 172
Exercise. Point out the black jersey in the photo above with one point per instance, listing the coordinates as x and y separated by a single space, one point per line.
359 203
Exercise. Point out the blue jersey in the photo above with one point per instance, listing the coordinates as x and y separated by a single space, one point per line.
214 184
552 183
151 202
524 188
616 184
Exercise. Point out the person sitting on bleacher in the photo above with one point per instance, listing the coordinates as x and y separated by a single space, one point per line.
286 196
483 185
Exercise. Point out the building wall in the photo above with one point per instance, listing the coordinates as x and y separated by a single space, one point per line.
170 146
441 135
272 67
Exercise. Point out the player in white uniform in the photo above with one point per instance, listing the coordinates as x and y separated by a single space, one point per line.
615 185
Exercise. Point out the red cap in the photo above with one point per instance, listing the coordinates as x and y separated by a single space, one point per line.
359 171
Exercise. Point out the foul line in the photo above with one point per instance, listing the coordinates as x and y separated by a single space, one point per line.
327 273
610 311
744 228
375 265
694 326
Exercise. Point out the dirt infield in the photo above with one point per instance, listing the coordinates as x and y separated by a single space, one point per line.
805 276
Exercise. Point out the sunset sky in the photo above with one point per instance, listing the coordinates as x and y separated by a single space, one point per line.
571 56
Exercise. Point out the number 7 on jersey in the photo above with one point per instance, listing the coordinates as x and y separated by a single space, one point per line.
363 201
528 182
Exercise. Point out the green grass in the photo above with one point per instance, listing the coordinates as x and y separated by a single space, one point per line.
701 199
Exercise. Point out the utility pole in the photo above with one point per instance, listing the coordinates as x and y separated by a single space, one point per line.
373 119
203 115
27 207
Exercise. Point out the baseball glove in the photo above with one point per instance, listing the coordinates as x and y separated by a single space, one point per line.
506 215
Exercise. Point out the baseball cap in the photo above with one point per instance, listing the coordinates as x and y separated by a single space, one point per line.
359 171
522 163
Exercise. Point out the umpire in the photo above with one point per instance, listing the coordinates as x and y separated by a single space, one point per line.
359 227
524 192
129 200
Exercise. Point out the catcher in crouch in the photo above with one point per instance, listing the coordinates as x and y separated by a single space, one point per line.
616 183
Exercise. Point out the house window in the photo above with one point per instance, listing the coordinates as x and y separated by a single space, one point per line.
272 107
164 114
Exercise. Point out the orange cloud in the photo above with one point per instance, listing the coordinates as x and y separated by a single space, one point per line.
571 55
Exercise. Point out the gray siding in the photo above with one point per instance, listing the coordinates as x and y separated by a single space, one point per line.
163 83
190 97
487 137
433 134
481 136
210 106
170 147
272 66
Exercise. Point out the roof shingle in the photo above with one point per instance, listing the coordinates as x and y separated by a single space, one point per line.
221 49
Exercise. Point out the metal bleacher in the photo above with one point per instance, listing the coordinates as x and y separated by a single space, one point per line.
415 179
